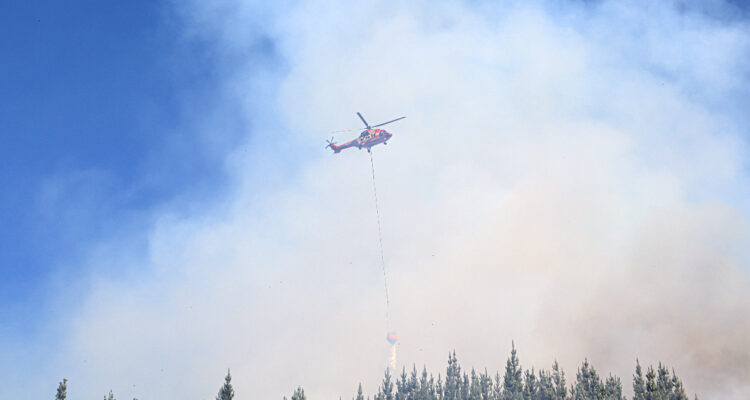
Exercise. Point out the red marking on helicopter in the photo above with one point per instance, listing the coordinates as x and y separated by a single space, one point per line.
368 138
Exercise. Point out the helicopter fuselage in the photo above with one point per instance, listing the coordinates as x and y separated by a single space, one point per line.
367 139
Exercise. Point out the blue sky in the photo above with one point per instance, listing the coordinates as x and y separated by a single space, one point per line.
164 174
95 125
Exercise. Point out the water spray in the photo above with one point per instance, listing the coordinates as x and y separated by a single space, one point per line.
392 338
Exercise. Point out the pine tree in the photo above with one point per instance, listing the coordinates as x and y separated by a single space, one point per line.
62 390
546 386
475 389
512 382
463 391
299 394
639 385
530 386
652 391
413 384
360 395
110 397
402 389
426 386
385 392
452 384
226 392
663 382
497 387
485 386
613 388
558 377
678 392
588 384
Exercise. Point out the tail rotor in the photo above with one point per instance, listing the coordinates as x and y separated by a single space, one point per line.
332 145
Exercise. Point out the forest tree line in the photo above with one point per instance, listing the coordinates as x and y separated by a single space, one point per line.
515 384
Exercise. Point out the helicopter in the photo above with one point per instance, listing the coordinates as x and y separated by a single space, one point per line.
368 138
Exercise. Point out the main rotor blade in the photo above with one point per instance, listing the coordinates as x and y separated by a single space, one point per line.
393 120
348 130
363 120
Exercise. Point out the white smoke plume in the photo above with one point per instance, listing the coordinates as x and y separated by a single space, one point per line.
571 176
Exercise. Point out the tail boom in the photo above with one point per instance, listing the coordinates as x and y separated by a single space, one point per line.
337 148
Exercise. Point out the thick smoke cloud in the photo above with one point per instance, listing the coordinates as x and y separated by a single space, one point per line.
569 177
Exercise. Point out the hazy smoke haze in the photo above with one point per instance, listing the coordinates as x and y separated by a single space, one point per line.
571 176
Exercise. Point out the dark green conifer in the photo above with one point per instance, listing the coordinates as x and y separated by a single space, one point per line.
111 396
652 390
360 395
546 386
402 390
558 378
678 391
663 382
385 392
497 387
299 394
475 390
62 390
485 386
588 384
613 388
226 392
426 386
452 385
530 385
512 381
463 392
639 385
413 384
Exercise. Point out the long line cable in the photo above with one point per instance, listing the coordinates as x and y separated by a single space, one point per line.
380 240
